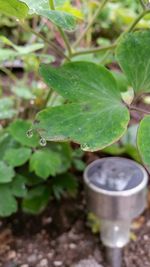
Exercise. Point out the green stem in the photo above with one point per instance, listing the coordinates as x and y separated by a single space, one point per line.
135 22
63 35
98 11
51 4
142 4
94 50
9 73
66 41
55 48
48 97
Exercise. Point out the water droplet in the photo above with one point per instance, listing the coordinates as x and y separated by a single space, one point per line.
30 133
43 141
85 147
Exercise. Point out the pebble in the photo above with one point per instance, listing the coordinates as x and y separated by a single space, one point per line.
58 263
12 255
87 263
32 258
72 246
43 263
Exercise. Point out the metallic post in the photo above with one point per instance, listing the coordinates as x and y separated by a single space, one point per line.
116 193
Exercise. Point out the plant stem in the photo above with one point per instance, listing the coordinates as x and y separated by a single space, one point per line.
135 22
94 50
63 35
66 41
99 9
139 109
51 4
39 35
142 4
9 73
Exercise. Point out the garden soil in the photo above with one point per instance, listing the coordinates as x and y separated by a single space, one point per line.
61 237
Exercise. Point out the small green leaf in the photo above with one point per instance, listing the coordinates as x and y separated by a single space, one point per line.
23 92
13 8
96 116
6 142
18 186
143 140
17 156
45 163
59 18
133 54
65 153
6 173
65 182
8 204
7 54
7 110
19 129
36 200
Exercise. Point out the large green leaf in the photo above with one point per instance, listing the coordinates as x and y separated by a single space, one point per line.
95 118
19 129
6 173
60 18
8 203
133 54
14 8
143 140
45 163
17 156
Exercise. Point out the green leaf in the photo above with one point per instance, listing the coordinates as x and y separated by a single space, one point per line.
8 204
13 8
133 54
65 182
45 163
17 156
143 140
23 92
59 18
96 117
7 54
7 110
65 153
36 200
121 81
6 173
18 186
19 129
6 142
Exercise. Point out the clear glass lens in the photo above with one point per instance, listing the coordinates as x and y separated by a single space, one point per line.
115 233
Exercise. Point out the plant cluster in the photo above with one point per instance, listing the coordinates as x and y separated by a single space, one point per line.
86 101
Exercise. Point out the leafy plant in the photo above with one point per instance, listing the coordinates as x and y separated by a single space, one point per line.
82 100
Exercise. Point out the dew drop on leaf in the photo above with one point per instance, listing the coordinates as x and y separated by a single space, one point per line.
43 141
30 133
85 147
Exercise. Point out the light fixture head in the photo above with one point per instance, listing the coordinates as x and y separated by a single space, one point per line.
116 193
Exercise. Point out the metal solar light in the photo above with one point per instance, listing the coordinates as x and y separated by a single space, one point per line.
116 193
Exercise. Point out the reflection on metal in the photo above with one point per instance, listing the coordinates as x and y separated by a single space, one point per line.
116 193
